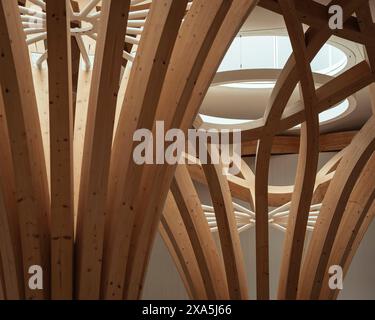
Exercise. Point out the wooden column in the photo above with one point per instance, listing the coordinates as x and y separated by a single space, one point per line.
26 146
61 148
307 160
97 147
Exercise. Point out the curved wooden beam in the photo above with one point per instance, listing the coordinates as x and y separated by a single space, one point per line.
141 98
144 89
211 266
224 28
20 107
2 285
175 235
97 147
362 229
330 216
307 160
193 46
351 81
229 237
316 15
285 85
359 203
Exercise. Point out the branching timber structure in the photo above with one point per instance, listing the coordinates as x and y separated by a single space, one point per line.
73 201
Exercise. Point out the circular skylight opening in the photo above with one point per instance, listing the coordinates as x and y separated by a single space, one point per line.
327 116
222 121
333 113
272 52
250 85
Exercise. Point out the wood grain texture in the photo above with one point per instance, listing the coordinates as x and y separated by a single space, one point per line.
334 203
10 247
143 93
229 237
211 266
176 237
195 40
307 160
61 149
359 203
20 107
97 148
225 26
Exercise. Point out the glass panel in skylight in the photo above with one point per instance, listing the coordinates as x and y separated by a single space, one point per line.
255 58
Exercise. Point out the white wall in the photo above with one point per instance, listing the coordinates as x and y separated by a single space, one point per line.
163 281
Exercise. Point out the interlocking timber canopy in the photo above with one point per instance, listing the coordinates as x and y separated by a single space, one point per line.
73 201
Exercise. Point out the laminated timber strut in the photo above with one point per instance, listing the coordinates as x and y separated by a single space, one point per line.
73 201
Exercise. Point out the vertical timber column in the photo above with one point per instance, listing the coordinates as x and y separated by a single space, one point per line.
26 146
61 146
97 147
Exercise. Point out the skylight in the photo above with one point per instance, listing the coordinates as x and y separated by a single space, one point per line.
326 116
333 113
272 52
250 85
222 121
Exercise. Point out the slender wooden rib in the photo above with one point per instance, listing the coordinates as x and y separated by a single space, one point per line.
141 97
178 236
190 207
334 203
221 33
10 273
26 146
97 147
367 26
277 195
76 58
279 98
316 15
285 85
195 39
362 230
10 249
335 142
289 144
80 120
307 161
184 273
333 92
227 226
2 283
61 148
359 203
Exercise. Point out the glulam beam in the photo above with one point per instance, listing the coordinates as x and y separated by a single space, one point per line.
32 194
195 38
331 213
142 95
316 15
307 160
224 27
97 147
176 237
285 85
190 207
359 204
229 238
61 148
10 247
